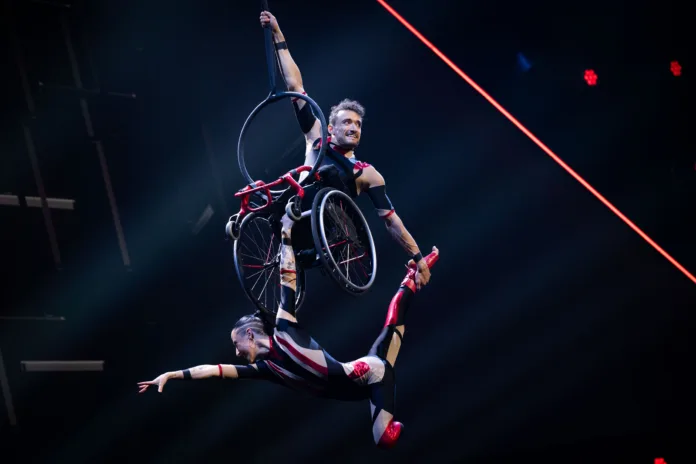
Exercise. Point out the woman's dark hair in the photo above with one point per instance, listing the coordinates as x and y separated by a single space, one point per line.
258 322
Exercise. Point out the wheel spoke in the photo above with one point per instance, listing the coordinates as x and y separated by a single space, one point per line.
257 253
347 241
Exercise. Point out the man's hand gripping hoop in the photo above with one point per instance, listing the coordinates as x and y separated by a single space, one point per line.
341 238
293 207
274 96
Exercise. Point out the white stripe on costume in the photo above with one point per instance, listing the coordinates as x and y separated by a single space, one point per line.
316 356
380 425
280 372
283 314
374 375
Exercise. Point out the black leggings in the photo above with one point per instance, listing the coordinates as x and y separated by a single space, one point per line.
386 347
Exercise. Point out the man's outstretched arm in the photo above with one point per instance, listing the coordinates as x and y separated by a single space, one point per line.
373 183
309 124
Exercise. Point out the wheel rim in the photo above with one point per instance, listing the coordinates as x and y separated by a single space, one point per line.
257 261
347 241
272 99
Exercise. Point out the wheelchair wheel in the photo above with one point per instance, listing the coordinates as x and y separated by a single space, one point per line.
272 98
343 241
257 261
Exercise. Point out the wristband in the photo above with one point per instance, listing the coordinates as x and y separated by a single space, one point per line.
281 45
417 257
187 374
220 369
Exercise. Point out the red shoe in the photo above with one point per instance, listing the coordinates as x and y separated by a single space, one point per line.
391 435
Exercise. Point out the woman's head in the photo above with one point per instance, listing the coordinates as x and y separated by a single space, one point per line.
250 337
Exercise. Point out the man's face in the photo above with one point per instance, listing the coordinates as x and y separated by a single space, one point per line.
347 129
244 343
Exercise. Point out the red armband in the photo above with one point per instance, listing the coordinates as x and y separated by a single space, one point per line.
388 214
294 99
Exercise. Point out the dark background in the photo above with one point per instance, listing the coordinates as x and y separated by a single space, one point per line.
550 330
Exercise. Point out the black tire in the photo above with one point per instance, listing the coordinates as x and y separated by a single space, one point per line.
258 234
337 221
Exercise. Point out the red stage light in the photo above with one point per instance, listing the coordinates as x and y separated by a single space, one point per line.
675 67
590 77
539 143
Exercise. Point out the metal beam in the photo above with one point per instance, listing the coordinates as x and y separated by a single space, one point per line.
5 386
31 149
32 318
62 366
53 203
9 200
35 202
86 93
97 144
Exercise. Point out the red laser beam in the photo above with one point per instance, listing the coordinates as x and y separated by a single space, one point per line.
541 145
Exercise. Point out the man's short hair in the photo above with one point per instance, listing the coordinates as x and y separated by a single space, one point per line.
346 104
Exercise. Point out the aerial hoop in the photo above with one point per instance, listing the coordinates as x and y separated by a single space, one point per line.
273 97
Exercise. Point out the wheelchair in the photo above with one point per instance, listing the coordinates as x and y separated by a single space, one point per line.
329 230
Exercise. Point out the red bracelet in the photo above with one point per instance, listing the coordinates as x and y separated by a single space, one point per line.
220 369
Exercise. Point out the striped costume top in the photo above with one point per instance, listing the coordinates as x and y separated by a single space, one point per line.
297 361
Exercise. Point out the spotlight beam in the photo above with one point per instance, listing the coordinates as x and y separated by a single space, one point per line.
541 145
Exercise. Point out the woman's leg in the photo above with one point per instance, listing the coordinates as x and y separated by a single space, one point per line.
385 429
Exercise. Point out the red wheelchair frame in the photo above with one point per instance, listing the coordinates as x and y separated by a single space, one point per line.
261 186
320 254
246 192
